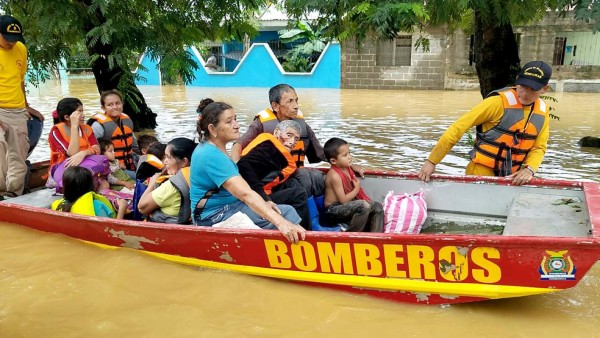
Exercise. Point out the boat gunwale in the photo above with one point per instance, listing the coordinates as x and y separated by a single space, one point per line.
591 192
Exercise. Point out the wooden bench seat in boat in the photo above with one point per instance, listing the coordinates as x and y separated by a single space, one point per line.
547 215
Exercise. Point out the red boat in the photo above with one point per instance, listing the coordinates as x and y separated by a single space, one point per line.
483 239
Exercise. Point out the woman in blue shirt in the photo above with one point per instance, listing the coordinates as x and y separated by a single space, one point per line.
217 189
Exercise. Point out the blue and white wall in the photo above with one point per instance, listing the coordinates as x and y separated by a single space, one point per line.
258 68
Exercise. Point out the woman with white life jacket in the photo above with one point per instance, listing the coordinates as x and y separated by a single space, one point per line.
512 130
217 189
116 126
71 139
80 198
167 198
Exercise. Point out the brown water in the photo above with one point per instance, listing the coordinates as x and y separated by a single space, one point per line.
53 286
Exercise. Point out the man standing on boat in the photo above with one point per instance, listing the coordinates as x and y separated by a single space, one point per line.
14 109
512 130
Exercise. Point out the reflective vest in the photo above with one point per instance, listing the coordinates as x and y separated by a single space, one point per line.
181 182
57 156
269 122
505 146
85 204
276 177
121 135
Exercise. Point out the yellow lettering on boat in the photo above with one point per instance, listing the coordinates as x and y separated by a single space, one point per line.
277 254
420 262
367 260
490 272
304 257
454 265
393 261
447 263
338 260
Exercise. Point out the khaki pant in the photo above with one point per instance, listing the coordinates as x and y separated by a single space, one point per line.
14 146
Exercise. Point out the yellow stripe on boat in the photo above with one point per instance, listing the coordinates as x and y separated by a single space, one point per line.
490 291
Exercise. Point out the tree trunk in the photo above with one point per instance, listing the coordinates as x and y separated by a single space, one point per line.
496 55
108 78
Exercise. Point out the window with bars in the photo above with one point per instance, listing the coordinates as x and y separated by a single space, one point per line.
396 52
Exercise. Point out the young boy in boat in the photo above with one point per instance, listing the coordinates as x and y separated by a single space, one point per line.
118 179
144 142
80 198
345 201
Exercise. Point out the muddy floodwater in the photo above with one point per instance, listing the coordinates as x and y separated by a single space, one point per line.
53 286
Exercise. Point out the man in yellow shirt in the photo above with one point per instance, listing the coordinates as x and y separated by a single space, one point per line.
14 110
512 130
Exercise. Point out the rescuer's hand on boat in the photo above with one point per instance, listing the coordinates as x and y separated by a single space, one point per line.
426 170
34 113
523 176
358 170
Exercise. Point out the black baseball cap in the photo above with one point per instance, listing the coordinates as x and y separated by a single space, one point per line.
534 74
11 29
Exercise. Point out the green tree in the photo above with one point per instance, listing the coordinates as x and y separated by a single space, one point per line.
496 51
300 57
115 31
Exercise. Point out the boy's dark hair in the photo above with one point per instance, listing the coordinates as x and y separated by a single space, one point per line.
157 149
77 181
332 147
104 144
145 141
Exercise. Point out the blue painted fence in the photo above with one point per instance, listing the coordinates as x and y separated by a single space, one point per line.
258 68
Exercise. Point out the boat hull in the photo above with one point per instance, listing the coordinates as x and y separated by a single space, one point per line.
422 268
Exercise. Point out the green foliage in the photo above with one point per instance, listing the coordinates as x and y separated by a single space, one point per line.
119 30
551 108
302 57
357 18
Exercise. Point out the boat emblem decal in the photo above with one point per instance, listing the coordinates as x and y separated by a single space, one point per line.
557 265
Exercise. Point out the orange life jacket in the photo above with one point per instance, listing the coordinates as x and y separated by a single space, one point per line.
269 122
57 156
505 146
276 177
121 135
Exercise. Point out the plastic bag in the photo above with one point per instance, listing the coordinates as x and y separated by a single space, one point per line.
404 213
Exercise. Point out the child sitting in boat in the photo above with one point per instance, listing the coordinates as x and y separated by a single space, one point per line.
80 198
345 200
118 178
144 142
167 198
